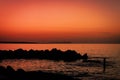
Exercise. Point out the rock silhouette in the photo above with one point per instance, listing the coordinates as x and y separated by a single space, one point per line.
85 57
54 54
10 74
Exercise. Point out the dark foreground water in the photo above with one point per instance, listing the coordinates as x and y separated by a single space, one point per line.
91 71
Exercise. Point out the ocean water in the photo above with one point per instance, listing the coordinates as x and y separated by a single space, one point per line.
91 71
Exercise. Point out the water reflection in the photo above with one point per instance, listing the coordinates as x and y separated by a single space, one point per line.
74 69
52 66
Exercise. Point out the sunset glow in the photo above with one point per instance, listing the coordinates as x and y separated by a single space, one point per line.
59 20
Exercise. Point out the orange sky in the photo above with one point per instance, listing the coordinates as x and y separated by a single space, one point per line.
60 20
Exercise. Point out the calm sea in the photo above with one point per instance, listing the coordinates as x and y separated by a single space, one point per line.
70 68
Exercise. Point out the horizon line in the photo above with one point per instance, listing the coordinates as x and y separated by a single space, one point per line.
11 42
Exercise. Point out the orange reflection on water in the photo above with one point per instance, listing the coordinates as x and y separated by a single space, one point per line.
51 66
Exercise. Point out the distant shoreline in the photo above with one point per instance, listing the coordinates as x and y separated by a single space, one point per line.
55 43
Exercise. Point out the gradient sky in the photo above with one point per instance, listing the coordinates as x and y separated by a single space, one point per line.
60 20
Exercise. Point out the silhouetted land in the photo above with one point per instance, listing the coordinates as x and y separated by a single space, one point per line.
54 54
9 73
63 42
81 42
12 42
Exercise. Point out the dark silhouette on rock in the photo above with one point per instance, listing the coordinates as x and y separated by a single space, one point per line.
10 74
54 54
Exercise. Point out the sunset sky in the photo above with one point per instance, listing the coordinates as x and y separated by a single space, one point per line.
60 20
